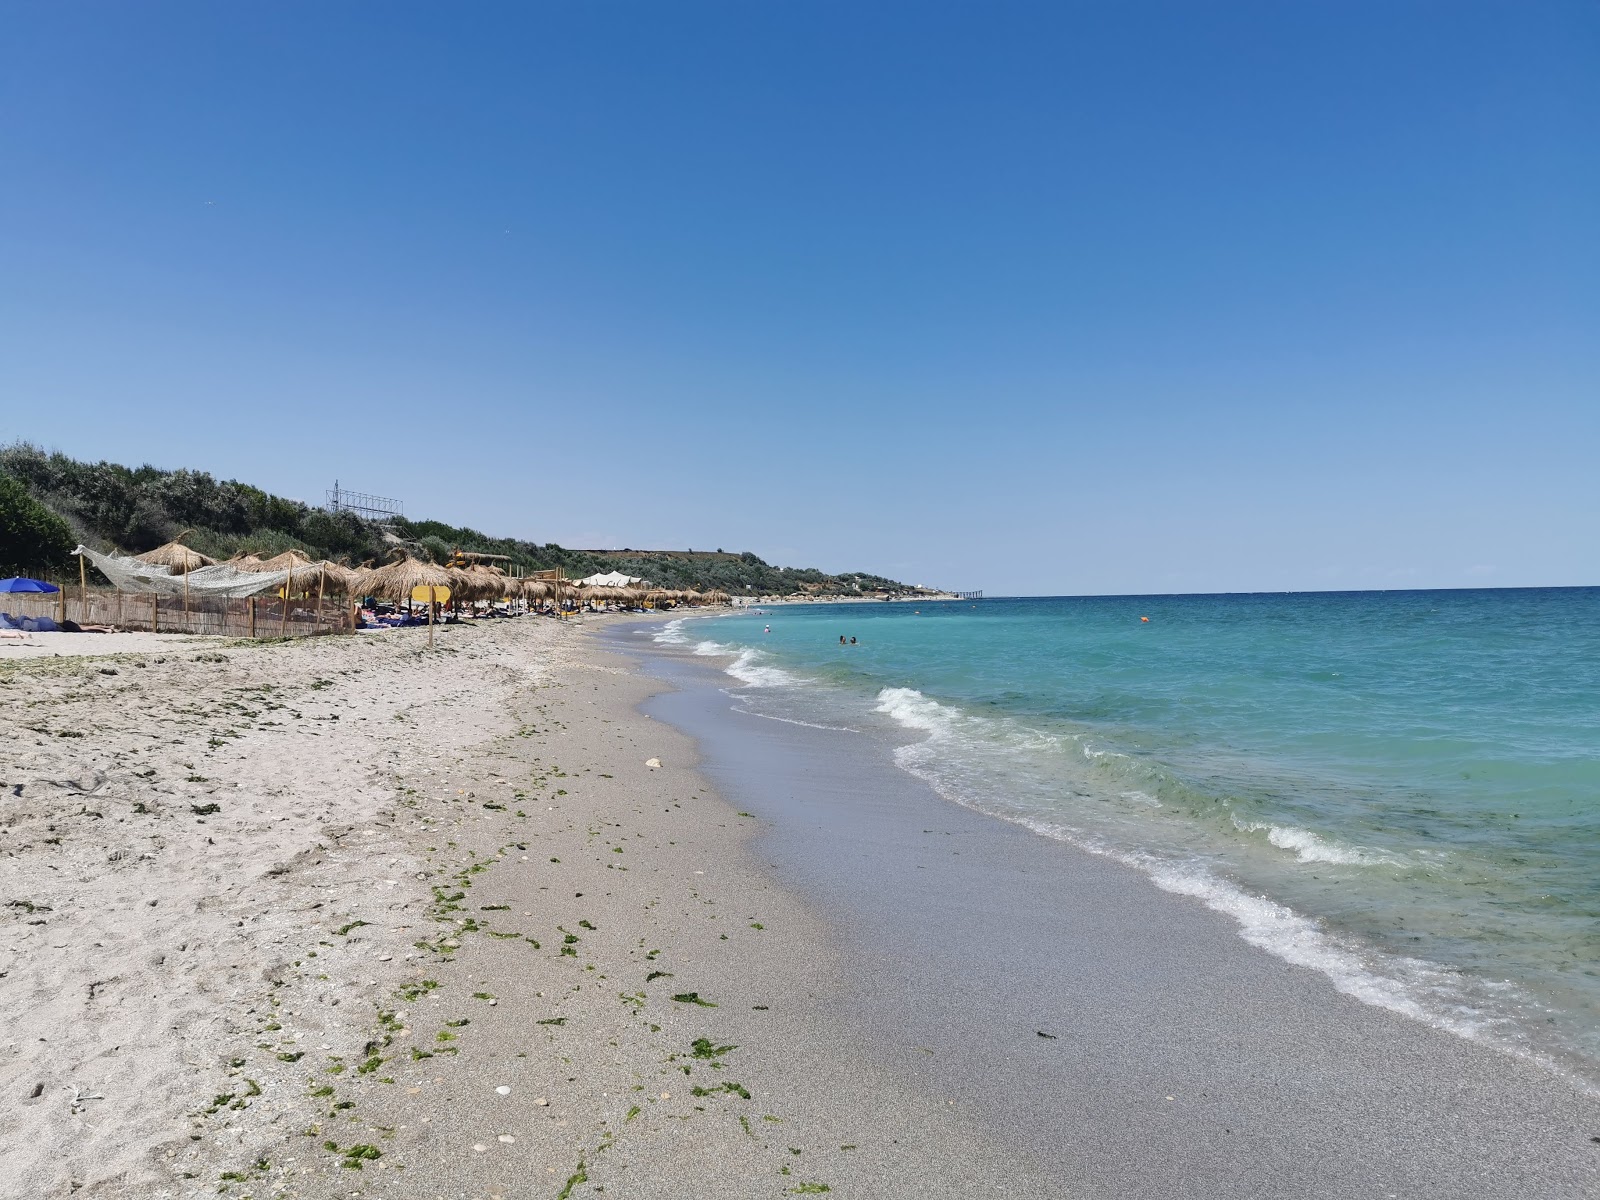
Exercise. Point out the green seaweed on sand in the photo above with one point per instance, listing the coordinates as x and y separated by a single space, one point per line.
204 810
809 1189
633 1112
707 1049
552 1021
734 1088
658 975
219 1102
581 1175
693 998
344 930
354 1155
414 991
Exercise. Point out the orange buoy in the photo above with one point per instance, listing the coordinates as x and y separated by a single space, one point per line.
1146 620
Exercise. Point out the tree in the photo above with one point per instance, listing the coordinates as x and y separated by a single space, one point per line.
32 538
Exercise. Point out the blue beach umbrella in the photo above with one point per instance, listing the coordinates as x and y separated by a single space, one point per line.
21 584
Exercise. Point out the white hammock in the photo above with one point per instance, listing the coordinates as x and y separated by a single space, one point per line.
131 575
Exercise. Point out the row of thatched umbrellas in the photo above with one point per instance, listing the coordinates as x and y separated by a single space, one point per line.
400 579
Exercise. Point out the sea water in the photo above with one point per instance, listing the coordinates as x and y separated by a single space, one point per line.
1398 789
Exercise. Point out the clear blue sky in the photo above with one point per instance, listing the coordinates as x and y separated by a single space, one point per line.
1038 298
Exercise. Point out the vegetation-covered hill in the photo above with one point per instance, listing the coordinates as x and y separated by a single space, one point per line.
108 506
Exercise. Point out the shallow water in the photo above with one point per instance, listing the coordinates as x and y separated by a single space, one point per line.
1401 790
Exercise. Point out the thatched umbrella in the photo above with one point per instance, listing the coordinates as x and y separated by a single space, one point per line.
303 573
397 580
334 577
536 589
289 560
484 583
403 576
176 557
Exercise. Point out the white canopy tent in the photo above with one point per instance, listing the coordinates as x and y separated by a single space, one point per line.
613 579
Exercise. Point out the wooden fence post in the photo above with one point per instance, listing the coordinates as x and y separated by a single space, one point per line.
83 590
155 612
252 616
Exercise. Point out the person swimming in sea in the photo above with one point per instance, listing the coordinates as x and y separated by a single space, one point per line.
852 641
841 639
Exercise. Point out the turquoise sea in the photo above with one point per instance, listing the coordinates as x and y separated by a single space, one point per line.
1398 789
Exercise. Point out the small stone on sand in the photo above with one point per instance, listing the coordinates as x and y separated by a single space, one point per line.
506 1138
503 1090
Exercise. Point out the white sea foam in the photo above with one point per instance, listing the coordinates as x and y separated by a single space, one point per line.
747 665
1422 991
672 634
1310 847
747 669
753 712
915 711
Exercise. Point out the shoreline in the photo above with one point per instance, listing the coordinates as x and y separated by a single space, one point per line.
470 923
1073 902
955 746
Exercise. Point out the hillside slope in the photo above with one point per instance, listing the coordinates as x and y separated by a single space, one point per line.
133 509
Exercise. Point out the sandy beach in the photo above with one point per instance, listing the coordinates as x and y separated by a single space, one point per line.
342 917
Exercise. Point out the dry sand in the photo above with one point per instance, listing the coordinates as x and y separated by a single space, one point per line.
344 917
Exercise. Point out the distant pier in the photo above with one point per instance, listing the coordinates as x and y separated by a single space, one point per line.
978 595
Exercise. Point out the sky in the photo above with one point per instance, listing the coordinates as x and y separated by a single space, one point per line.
1058 298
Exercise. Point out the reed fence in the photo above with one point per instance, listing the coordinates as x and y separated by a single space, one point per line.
217 616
